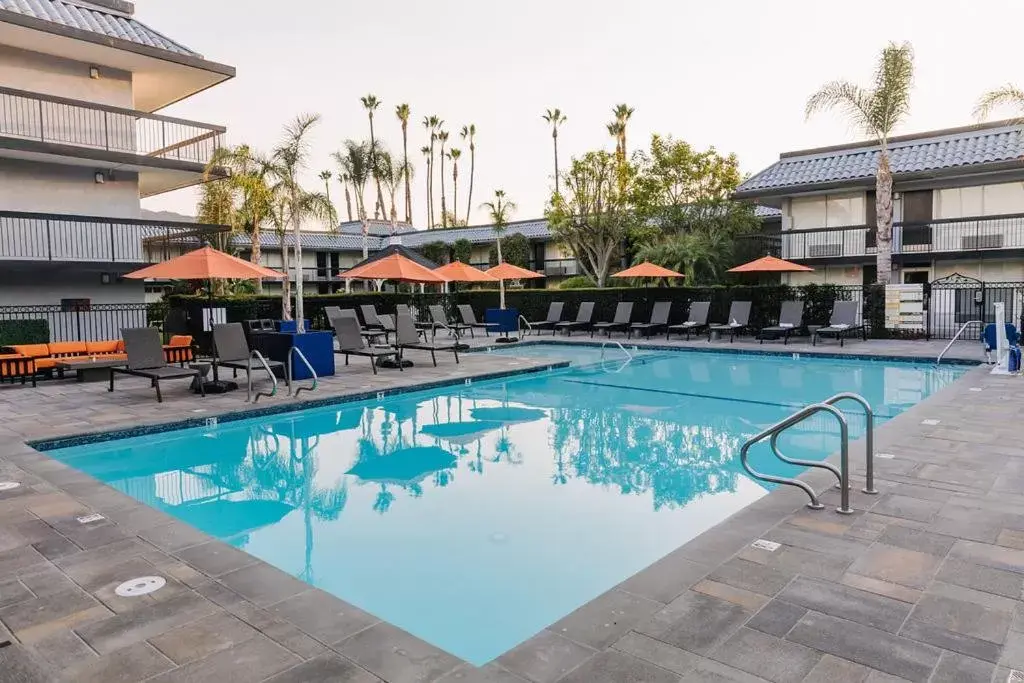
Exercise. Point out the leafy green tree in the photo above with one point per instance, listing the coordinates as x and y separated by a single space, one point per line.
435 251
516 250
576 282
876 110
594 214
462 250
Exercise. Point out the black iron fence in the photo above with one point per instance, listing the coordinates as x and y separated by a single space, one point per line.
75 320
954 301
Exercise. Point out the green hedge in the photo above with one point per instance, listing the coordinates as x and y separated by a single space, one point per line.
24 332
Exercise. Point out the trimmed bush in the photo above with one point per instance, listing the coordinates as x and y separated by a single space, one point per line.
24 332
577 282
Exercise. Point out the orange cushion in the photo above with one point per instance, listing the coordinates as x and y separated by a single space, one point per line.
180 340
32 350
120 346
67 348
46 363
100 347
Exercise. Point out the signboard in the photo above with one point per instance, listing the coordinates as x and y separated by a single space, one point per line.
904 307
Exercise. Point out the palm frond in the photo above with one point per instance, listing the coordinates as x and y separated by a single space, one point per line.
1007 96
894 79
853 100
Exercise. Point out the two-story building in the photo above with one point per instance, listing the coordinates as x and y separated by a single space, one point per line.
958 206
80 145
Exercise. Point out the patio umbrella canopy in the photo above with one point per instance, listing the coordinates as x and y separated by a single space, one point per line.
395 267
457 271
507 271
647 269
205 263
771 264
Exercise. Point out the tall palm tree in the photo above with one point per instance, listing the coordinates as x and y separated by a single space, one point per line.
556 118
354 162
499 210
615 130
435 126
454 155
371 103
623 113
1007 96
470 132
428 126
326 176
290 160
425 151
876 110
442 136
344 179
402 112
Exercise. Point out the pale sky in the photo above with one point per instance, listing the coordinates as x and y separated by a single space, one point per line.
734 75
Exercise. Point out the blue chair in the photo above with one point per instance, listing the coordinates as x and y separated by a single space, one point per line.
988 336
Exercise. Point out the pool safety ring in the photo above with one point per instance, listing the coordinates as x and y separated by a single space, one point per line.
143 585
8 485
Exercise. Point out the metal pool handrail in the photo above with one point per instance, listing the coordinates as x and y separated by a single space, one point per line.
869 437
295 351
844 455
956 336
529 327
270 373
621 347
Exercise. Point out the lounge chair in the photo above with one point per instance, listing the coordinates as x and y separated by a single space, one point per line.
554 317
659 320
623 314
231 350
333 312
842 323
583 317
470 321
370 318
407 337
406 309
440 320
791 321
351 343
697 320
739 318
146 359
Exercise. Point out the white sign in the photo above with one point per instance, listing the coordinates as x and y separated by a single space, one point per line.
761 544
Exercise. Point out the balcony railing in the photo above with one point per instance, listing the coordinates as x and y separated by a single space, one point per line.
66 238
565 267
44 118
951 235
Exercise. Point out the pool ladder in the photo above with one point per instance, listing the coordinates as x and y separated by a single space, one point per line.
294 351
270 373
622 348
963 328
842 473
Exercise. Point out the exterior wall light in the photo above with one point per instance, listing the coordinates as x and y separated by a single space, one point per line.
94 72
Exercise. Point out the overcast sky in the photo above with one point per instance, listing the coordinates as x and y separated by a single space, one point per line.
734 75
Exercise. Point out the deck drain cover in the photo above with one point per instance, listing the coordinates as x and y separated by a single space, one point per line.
140 586
761 544
8 485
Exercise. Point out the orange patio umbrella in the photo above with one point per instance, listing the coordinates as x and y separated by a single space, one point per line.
647 269
507 271
771 264
457 271
394 267
205 263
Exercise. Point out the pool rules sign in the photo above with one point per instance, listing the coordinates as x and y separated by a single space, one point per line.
904 307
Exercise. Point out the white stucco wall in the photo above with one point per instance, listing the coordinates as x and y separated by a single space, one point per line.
989 270
50 75
50 188
835 275
52 287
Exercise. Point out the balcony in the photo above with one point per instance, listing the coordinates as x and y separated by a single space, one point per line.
160 148
966 236
566 267
60 238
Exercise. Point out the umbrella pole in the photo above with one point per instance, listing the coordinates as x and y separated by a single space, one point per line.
213 354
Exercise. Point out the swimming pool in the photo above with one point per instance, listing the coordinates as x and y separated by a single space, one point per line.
474 516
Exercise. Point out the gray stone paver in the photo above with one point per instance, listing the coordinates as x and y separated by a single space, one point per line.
923 583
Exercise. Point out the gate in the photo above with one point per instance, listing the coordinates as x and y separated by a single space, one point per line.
954 300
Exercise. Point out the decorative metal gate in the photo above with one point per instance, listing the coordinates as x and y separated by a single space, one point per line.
957 299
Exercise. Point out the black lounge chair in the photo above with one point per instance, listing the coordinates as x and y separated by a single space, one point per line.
336 312
231 350
470 321
697 320
407 337
623 314
843 323
739 318
351 343
554 317
146 359
659 320
440 320
582 321
370 318
791 321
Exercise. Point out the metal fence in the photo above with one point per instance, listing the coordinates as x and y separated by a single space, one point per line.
958 299
86 322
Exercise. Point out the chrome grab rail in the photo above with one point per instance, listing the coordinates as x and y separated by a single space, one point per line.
291 355
263 361
529 327
621 347
869 437
956 336
844 456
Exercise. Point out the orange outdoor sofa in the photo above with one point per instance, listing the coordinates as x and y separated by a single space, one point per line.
25 361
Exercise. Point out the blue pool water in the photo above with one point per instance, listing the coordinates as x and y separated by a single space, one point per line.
474 516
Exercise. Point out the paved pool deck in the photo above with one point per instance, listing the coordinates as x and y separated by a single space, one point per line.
922 583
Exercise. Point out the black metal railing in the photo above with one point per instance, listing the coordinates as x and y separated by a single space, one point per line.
81 320
45 118
60 237
563 267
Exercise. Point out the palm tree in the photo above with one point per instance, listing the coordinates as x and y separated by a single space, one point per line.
470 132
622 113
499 209
326 177
344 179
392 173
425 151
615 129
429 127
1008 95
290 159
435 125
402 112
442 135
556 118
454 155
876 110
371 103
354 162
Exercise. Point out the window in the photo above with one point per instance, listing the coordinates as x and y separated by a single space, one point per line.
830 211
981 200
